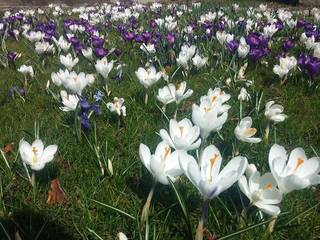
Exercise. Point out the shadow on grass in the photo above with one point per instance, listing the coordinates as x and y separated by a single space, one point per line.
30 225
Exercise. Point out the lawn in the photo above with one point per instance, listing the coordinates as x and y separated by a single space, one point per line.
105 184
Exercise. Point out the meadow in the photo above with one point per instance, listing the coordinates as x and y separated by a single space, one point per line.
101 85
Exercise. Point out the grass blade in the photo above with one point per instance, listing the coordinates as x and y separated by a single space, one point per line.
115 209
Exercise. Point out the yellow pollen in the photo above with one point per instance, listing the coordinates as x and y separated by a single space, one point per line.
268 186
34 158
178 86
299 163
250 132
181 131
213 98
167 150
212 162
207 109
34 150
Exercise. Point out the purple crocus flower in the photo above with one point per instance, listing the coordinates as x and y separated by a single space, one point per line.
303 60
100 52
84 119
98 96
96 108
232 45
128 36
288 44
11 56
313 66
84 104
97 41
171 38
153 23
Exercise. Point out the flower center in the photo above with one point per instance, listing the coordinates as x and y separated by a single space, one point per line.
167 150
34 157
300 161
181 131
212 163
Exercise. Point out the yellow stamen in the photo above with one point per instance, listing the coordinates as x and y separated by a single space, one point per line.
207 109
250 132
213 98
268 186
181 131
300 161
212 162
34 158
167 150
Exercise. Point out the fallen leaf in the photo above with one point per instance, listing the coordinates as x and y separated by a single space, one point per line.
8 148
56 194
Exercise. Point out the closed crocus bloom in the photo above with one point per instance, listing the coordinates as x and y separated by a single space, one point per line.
208 117
62 43
296 173
25 70
149 76
206 176
35 155
183 135
244 132
117 106
68 61
77 82
179 92
87 53
122 236
42 47
261 190
165 95
243 95
162 164
274 112
198 61
104 67
243 48
69 101
59 77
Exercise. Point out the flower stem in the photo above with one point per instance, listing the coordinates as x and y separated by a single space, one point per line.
175 113
146 207
33 183
146 98
266 135
240 110
204 210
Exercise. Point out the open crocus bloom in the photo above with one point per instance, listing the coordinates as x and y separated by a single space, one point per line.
104 67
244 132
149 76
162 164
206 176
183 135
208 117
261 191
171 93
36 155
274 112
219 97
70 101
60 77
296 173
68 61
117 106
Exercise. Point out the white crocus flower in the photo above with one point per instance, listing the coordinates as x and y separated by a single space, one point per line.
172 93
208 117
199 62
149 76
25 70
243 95
87 53
117 106
162 164
122 236
104 67
218 97
261 190
77 82
296 173
206 176
60 77
62 43
43 47
148 49
35 155
243 48
274 112
69 101
268 31
165 95
183 135
286 64
68 61
244 132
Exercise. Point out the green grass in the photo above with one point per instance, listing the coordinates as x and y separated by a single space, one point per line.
78 171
